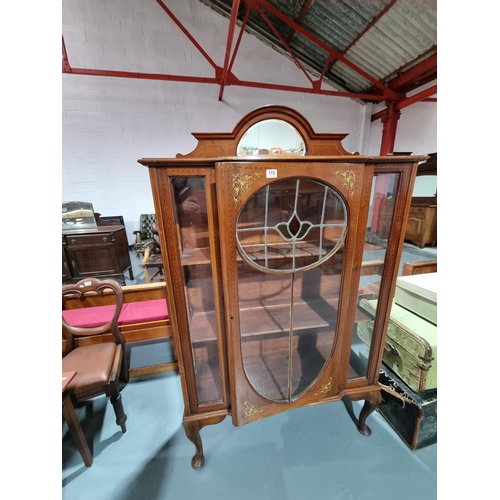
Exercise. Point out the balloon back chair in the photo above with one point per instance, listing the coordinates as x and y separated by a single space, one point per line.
99 367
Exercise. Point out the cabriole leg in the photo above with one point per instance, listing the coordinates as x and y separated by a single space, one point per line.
372 402
192 429
193 433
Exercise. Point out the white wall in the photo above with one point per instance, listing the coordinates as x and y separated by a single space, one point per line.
416 132
109 123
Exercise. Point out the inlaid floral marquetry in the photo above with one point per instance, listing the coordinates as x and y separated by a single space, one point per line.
250 409
348 180
242 184
325 387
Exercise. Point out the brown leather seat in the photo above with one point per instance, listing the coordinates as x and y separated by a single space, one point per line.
98 367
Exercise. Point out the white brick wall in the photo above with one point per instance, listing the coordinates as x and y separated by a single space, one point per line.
109 123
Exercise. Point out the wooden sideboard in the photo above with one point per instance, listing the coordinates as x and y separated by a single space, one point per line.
99 252
263 257
421 227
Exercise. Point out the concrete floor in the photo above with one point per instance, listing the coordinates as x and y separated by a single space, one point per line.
313 452
308 453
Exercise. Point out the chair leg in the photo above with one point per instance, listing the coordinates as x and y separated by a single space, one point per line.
124 374
116 400
75 428
121 418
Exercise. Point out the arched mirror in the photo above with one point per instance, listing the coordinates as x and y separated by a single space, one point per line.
271 137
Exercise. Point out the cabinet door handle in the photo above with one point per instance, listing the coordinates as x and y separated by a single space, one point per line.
105 240
72 242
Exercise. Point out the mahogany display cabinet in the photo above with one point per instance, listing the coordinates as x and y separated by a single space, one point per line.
264 239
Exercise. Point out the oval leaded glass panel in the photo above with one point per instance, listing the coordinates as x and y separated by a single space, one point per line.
290 237
291 225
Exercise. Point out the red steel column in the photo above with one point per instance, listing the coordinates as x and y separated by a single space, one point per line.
390 123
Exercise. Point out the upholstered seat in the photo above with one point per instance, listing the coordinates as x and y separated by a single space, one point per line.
131 313
93 365
98 367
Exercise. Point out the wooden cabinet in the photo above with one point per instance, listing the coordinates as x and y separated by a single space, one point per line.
421 228
100 252
266 260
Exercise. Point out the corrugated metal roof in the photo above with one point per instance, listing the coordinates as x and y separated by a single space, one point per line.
381 38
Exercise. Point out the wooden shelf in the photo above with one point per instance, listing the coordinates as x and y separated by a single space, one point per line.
273 319
201 256
195 256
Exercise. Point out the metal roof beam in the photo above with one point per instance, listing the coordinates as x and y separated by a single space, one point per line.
368 27
229 45
389 94
229 78
65 63
306 7
287 48
403 103
240 36
186 32
140 76
415 73
215 81
417 97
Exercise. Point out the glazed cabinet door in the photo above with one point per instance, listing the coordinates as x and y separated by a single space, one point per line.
185 208
291 254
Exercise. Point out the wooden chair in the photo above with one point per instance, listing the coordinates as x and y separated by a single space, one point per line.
144 237
99 367
152 261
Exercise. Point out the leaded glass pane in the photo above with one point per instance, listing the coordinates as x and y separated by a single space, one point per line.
290 236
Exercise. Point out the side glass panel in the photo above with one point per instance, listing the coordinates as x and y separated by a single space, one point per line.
384 189
290 238
193 233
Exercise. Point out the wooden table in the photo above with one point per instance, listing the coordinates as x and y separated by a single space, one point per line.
69 415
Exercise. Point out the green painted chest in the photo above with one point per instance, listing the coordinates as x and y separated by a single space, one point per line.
410 348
